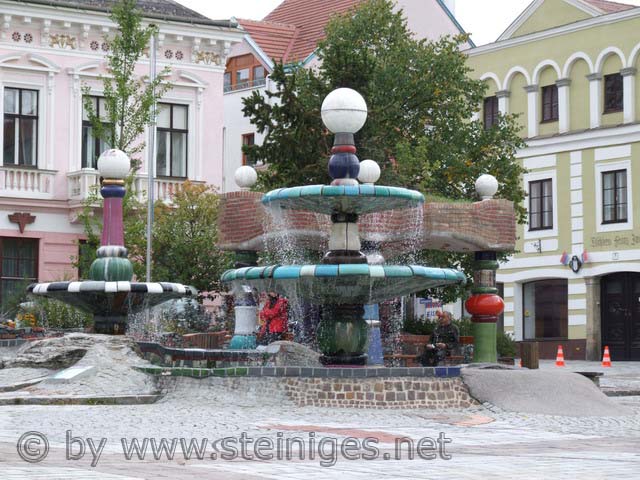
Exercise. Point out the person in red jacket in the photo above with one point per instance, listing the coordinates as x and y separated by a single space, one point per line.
274 318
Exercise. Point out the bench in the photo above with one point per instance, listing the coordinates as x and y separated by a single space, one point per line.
593 376
405 360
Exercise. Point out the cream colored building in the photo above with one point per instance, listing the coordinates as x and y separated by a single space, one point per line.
569 68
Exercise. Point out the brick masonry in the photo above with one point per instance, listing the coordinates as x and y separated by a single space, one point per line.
376 393
464 227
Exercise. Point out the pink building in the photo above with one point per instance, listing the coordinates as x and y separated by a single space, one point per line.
48 51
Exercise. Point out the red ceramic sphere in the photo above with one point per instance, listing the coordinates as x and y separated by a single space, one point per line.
487 304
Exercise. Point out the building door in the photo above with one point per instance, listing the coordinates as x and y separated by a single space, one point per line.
620 313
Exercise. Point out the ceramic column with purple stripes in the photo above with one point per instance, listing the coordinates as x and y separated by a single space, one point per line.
112 264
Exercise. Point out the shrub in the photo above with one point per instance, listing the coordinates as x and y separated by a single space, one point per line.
419 326
186 317
55 314
505 344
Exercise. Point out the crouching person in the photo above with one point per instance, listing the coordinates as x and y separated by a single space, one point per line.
443 340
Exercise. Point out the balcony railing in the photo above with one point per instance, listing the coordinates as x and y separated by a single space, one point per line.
82 182
26 182
260 82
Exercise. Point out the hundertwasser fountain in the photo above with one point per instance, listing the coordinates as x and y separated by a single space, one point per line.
344 281
109 294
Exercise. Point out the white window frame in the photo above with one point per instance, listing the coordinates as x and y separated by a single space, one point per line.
603 167
533 177
42 154
192 137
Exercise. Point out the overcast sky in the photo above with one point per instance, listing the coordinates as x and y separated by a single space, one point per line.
484 19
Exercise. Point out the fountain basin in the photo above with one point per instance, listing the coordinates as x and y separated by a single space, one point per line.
111 302
344 283
356 199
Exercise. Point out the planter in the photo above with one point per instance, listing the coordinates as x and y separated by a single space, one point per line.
507 360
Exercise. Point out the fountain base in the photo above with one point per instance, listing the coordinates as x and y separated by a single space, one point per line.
341 360
342 335
109 325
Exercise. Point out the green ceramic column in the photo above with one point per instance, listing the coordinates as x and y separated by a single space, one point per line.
485 305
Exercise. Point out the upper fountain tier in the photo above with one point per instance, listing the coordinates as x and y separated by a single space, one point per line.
344 112
357 199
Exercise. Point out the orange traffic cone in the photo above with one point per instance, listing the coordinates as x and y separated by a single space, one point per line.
606 358
560 357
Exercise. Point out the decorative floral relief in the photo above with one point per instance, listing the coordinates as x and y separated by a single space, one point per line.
207 57
28 37
179 55
16 36
94 45
105 47
168 54
62 40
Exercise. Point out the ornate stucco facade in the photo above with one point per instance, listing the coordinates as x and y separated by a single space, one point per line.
48 51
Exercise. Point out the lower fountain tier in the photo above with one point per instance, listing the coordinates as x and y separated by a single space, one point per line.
112 299
345 283
356 199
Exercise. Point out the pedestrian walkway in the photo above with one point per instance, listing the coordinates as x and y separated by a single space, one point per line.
622 378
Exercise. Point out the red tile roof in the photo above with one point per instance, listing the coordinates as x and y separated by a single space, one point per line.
275 39
609 7
310 18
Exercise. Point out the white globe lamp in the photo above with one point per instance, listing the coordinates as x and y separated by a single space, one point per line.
486 186
114 164
369 172
344 111
245 177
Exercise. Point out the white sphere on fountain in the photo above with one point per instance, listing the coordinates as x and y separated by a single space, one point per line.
486 186
114 164
369 172
245 177
344 111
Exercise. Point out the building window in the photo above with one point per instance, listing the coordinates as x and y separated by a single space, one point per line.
546 309
490 111
227 81
613 93
93 147
20 127
540 205
242 78
550 103
614 197
18 266
258 76
248 139
172 140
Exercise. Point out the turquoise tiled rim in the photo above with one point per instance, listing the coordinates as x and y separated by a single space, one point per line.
344 283
288 272
350 198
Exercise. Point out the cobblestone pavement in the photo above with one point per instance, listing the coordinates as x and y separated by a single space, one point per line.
486 442
621 376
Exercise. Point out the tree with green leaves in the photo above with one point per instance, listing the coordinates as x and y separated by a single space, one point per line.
185 237
421 101
128 97
421 126
128 100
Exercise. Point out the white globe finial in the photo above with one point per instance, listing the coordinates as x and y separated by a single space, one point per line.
369 172
486 186
245 177
114 164
344 111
